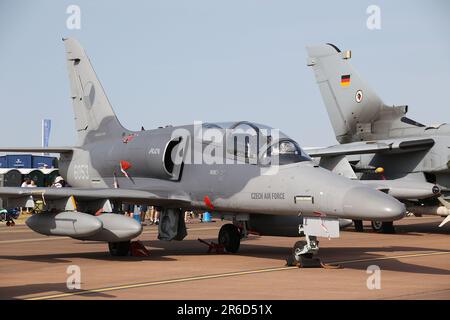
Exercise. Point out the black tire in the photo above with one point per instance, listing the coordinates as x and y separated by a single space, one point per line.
290 261
358 225
119 249
230 237
299 245
388 227
377 226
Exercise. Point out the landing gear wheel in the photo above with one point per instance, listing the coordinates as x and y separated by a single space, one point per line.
230 237
358 225
387 227
377 226
8 223
383 227
119 249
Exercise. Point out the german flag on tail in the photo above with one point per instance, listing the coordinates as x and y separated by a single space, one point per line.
345 80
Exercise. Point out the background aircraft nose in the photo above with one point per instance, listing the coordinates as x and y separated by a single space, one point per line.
369 204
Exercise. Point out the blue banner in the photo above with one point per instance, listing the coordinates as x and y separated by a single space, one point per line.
46 127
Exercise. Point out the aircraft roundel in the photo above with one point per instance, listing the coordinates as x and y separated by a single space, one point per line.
359 96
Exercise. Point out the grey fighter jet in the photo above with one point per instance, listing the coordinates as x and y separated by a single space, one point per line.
251 174
385 148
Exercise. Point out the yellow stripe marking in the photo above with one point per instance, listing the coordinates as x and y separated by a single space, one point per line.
74 203
393 257
215 276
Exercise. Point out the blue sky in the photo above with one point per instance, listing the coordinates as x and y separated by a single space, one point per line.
173 62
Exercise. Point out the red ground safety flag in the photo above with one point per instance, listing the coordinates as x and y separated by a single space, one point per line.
208 202
124 166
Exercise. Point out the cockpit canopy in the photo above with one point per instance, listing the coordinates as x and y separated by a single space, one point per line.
253 143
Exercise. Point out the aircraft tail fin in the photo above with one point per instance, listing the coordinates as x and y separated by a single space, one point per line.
94 116
351 104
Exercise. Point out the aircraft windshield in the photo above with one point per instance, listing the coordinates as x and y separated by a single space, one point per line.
287 151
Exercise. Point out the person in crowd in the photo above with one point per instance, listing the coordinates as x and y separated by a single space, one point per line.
59 182
26 183
144 209
152 214
128 209
155 215
188 215
32 184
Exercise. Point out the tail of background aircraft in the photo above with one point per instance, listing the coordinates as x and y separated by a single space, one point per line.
351 104
94 116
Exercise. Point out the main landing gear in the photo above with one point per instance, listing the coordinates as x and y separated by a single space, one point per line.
377 226
230 237
358 225
383 227
119 249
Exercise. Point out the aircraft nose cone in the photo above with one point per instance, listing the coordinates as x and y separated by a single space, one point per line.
368 204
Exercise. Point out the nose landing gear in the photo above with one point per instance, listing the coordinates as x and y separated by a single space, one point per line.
303 253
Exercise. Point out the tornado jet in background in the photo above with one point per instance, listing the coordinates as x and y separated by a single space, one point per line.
251 174
385 148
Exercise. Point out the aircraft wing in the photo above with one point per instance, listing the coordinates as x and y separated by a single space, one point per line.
37 149
367 147
18 195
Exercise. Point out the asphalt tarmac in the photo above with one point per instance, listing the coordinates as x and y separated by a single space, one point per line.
414 263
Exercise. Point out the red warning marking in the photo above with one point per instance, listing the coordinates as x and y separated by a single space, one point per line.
208 202
128 138
319 214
